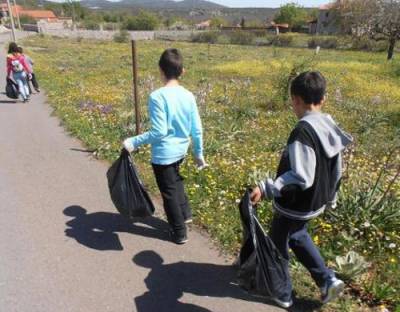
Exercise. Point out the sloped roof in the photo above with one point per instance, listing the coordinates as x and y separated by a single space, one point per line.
38 14
327 6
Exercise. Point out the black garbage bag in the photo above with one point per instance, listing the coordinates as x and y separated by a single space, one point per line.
12 89
126 189
262 269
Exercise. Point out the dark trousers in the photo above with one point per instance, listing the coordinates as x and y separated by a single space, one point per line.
287 233
176 204
34 82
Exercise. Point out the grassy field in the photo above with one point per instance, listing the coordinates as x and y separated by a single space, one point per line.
242 95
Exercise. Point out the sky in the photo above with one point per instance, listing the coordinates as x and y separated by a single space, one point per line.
269 3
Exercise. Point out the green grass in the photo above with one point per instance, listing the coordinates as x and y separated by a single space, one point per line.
241 93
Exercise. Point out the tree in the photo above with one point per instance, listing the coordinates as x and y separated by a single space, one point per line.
356 16
143 21
372 18
387 23
292 14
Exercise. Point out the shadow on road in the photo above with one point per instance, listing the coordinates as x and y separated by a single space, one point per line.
82 150
8 102
305 305
99 230
167 283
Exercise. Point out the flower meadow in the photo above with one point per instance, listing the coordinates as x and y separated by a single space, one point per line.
242 93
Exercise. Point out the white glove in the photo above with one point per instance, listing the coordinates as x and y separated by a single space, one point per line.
128 145
200 163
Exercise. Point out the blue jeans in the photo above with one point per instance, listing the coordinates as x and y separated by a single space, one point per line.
21 79
287 233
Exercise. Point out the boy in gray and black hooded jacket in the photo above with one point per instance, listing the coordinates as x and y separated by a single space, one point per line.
308 179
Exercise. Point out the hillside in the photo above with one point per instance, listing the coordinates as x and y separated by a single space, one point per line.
156 4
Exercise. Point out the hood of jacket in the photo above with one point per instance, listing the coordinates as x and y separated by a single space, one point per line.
333 139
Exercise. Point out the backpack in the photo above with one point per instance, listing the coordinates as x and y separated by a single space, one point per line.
17 66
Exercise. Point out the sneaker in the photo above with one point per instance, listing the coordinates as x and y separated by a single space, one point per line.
37 90
283 303
187 221
178 239
25 100
332 290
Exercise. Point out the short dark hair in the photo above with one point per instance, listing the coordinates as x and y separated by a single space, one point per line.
310 87
13 48
20 50
171 63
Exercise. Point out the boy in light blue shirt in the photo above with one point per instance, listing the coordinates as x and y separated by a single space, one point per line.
174 120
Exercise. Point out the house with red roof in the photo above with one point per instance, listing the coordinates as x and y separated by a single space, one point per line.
18 10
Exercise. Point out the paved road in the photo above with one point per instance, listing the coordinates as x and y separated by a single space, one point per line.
63 247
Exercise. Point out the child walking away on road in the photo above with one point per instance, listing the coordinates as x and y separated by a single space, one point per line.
18 70
29 62
307 183
174 119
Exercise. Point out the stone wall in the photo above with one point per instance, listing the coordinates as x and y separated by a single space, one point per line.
59 31
96 34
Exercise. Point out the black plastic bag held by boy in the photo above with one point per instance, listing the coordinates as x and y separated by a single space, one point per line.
126 189
262 269
12 89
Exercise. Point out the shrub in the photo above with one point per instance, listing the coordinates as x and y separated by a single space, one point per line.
110 26
143 21
262 41
24 19
325 43
206 37
242 37
223 39
91 25
121 37
282 41
366 44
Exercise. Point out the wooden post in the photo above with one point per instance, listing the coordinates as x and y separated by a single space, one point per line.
135 87
17 13
11 16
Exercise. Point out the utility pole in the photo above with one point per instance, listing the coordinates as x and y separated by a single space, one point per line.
135 86
17 13
11 15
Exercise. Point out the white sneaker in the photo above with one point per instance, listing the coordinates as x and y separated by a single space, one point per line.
283 304
188 221
332 290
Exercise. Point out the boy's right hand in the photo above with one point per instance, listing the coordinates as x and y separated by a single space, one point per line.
256 196
128 145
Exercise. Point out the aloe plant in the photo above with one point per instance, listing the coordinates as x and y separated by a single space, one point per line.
351 265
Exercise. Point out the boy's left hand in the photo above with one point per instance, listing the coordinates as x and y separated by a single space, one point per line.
201 163
256 196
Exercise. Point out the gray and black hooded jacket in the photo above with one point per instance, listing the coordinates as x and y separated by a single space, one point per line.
310 169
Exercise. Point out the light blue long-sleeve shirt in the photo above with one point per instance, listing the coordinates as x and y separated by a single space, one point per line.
174 118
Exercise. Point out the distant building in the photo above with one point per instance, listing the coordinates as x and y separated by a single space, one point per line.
313 26
327 21
39 14
278 28
203 25
14 8
21 11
